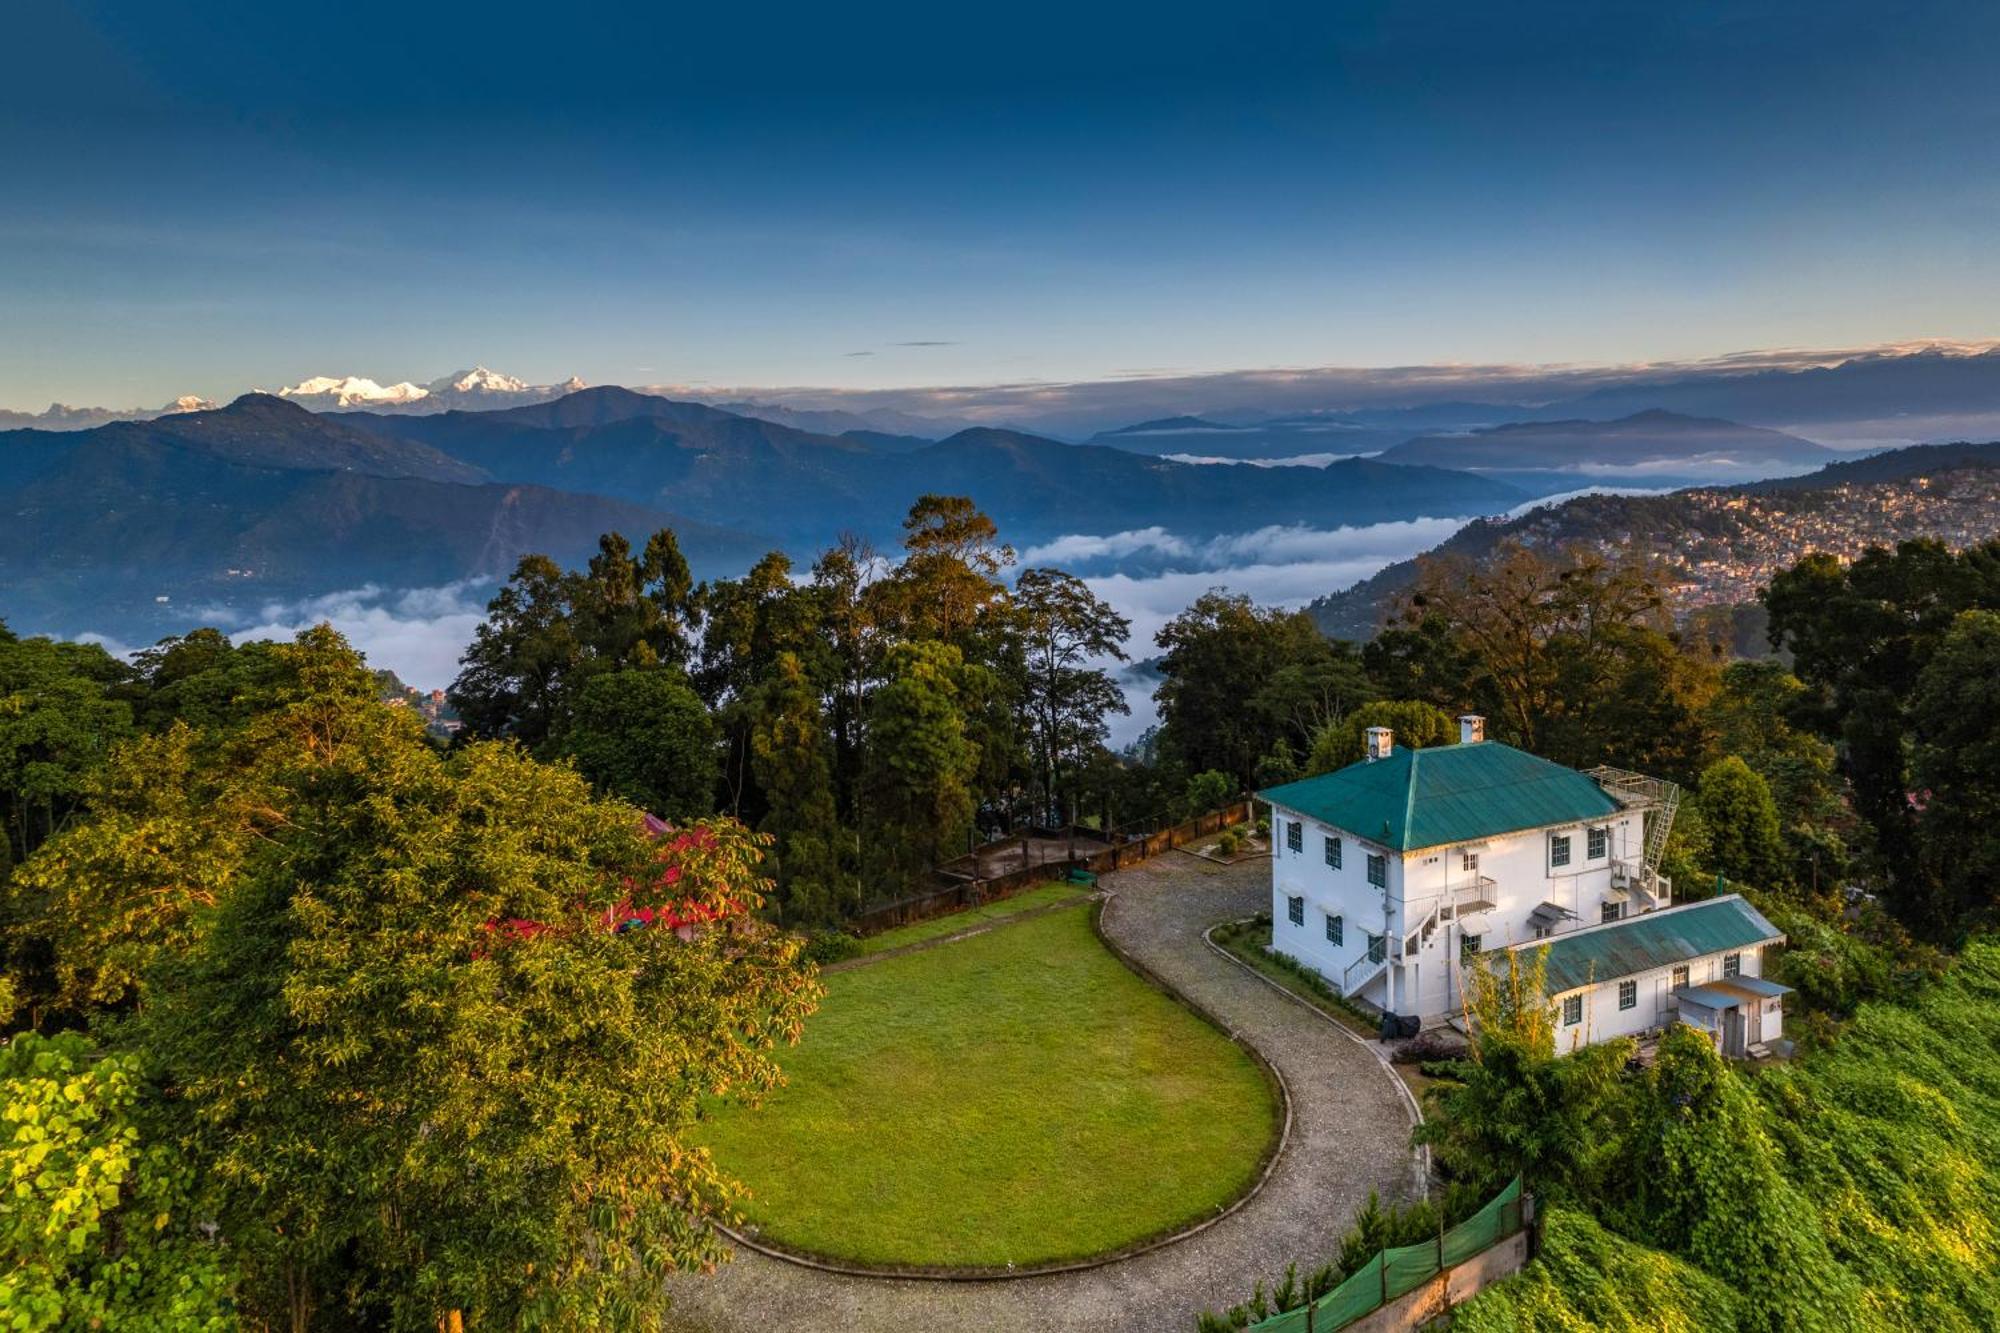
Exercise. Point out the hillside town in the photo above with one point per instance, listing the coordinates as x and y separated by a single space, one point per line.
1730 542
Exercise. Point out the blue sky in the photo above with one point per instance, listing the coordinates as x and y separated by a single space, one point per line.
204 197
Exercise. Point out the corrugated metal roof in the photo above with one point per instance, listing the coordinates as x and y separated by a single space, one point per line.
1451 793
1755 986
1708 997
1653 940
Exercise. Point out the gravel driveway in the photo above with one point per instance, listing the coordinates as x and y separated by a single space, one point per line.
1350 1134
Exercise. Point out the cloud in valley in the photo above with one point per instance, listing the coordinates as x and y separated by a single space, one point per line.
418 633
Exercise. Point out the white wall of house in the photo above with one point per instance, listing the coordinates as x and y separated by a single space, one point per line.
1602 1017
1426 981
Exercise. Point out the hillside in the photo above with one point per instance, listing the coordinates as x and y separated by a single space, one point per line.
264 501
1650 440
1721 544
805 488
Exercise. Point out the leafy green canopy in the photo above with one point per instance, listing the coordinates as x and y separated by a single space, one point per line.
98 1228
409 1059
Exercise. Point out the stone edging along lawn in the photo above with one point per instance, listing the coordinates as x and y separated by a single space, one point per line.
1272 1152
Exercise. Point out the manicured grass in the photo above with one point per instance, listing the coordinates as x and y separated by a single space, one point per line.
972 916
1017 1097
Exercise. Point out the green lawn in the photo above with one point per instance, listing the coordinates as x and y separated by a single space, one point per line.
970 917
1016 1097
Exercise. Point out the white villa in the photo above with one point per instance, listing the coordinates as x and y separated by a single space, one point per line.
1388 875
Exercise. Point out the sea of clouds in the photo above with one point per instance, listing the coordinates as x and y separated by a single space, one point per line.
1148 574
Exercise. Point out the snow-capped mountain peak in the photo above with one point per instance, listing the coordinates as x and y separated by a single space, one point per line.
352 391
479 380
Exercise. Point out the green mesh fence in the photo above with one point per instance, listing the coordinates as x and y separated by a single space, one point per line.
1397 1272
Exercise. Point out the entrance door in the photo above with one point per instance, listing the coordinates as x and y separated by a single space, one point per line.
1732 1032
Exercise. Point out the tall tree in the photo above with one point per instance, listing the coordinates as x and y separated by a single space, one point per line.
920 762
1955 767
423 1071
1745 842
812 854
1066 628
1413 725
1534 627
1860 635
642 735
547 630
59 717
523 657
1234 679
949 578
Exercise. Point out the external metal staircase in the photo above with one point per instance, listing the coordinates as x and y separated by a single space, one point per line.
1657 800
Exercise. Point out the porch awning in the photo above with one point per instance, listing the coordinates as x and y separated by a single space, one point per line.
1754 986
1708 997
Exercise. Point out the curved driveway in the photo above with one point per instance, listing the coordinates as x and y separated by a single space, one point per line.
1350 1134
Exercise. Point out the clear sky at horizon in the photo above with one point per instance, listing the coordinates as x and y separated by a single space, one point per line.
200 197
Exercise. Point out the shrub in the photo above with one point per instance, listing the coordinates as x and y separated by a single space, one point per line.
1432 1045
831 946
1228 844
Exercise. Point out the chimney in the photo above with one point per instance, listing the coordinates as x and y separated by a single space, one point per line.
1471 728
1380 740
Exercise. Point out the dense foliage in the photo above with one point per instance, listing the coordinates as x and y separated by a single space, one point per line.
428 1029
873 718
1854 1188
1903 687
99 1228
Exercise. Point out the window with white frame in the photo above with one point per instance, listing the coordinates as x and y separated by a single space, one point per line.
1378 948
1732 965
1680 979
1611 912
1572 1010
1558 850
1336 929
1468 946
1295 836
1333 852
1295 910
1596 843
1628 995
1378 870
1469 862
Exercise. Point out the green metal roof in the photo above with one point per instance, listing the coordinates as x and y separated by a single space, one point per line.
1450 793
1652 940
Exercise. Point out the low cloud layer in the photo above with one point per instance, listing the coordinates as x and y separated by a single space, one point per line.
418 633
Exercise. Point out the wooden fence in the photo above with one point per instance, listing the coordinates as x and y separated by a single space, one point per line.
955 891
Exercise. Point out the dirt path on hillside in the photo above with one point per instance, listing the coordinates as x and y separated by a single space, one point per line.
1350 1134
